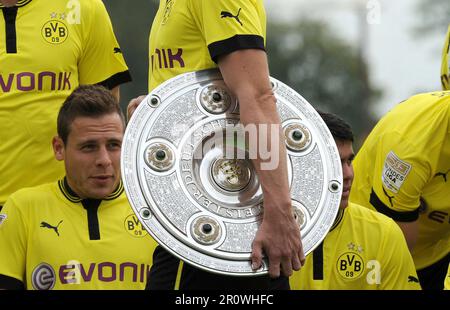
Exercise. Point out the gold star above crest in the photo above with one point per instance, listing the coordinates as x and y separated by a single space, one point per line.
62 16
351 246
53 15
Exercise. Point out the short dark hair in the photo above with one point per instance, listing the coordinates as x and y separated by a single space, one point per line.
340 129
86 101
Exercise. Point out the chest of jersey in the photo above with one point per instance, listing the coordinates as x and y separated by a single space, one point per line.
39 48
351 264
172 52
62 255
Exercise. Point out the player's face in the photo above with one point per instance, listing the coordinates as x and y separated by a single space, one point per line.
346 153
92 155
8 2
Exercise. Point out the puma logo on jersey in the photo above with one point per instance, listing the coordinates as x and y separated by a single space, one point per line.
225 14
413 279
443 175
117 50
389 197
55 228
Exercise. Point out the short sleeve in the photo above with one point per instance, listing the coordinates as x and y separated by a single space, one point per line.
232 25
400 174
102 60
13 241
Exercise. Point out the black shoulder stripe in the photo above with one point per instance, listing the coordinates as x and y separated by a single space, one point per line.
237 42
395 215
116 79
9 283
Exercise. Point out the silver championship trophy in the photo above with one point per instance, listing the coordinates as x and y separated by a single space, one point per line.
188 174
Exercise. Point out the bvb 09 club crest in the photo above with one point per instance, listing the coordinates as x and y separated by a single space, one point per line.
187 171
55 31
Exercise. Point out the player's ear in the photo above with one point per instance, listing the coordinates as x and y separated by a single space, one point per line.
58 148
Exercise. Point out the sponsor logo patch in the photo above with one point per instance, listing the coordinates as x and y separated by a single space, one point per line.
43 277
395 172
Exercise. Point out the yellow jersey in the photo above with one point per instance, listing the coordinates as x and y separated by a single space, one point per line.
47 48
209 29
51 239
403 171
364 250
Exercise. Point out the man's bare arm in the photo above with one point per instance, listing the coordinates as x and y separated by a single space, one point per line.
246 74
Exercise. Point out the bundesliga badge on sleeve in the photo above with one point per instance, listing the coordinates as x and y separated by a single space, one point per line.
188 174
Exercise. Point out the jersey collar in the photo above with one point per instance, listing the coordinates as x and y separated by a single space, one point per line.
19 3
73 197
338 220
